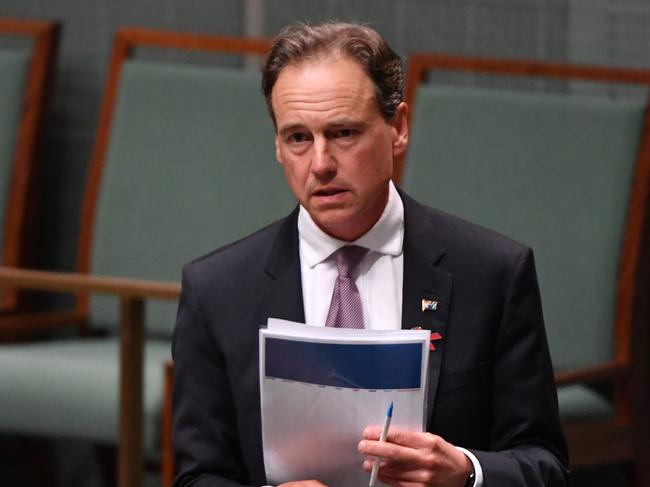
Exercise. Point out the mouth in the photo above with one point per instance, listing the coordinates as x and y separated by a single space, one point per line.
329 196
325 192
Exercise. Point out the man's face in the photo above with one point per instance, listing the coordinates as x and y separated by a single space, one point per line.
334 145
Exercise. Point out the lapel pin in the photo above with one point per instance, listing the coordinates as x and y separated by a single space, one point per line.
429 305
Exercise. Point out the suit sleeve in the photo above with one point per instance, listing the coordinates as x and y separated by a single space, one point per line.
205 436
527 446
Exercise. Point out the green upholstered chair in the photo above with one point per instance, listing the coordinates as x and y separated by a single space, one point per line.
183 163
568 175
27 51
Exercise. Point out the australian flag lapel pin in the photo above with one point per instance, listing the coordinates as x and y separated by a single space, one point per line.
429 305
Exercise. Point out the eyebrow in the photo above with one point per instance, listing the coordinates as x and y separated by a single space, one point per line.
343 122
289 128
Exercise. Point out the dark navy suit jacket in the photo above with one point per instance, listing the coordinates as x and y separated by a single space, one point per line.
491 386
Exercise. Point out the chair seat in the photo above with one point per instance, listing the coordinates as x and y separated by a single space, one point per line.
70 389
580 403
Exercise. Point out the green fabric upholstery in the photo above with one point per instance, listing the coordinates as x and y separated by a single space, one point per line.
70 389
191 167
579 403
552 171
13 69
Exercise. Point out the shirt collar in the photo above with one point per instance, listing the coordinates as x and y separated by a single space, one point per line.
385 237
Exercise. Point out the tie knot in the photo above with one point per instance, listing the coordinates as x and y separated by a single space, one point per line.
348 258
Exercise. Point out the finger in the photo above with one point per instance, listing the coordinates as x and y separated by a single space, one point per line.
398 483
392 483
372 433
396 472
394 453
368 464
404 437
400 472
303 483
391 475
413 439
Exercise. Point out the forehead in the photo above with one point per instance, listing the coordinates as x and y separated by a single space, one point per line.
327 86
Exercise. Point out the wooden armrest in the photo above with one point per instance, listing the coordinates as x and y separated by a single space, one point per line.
598 373
132 293
87 284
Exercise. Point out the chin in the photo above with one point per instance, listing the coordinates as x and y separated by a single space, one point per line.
341 228
334 219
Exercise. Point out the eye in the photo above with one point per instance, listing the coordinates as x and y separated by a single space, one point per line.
344 133
297 138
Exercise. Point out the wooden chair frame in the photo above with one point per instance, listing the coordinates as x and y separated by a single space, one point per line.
132 293
19 225
628 431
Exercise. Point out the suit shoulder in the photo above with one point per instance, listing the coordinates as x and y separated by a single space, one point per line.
249 252
481 260
470 233
461 238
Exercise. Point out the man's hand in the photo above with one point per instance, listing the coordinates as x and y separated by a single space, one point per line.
303 483
410 459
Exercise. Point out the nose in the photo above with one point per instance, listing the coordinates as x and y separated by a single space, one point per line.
323 162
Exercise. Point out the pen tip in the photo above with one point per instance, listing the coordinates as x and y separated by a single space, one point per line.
390 410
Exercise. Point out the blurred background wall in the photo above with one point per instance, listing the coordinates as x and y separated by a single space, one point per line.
612 32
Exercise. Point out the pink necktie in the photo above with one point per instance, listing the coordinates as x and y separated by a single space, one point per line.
345 309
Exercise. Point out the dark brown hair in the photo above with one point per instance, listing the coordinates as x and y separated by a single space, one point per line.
302 42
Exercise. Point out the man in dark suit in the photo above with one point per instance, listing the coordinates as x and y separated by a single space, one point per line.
335 95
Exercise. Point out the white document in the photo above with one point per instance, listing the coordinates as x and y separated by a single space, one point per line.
320 387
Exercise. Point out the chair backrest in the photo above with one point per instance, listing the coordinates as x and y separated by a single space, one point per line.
27 51
184 163
565 174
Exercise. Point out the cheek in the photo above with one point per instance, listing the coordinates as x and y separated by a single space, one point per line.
378 150
378 163
295 176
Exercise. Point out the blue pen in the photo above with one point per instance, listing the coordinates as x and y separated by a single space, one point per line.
382 437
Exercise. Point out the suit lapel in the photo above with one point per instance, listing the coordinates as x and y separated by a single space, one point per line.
283 295
423 280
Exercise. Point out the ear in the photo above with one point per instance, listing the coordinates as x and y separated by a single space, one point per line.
400 125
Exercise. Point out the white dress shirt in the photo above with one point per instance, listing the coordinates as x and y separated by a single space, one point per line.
378 276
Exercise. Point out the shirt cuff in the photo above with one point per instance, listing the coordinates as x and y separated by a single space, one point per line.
478 471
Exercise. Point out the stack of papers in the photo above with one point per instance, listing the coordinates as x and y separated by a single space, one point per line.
320 387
